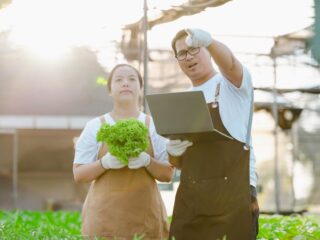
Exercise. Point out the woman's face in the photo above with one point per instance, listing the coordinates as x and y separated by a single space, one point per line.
125 85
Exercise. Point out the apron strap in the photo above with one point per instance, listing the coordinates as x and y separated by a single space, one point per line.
247 144
215 104
216 97
102 119
217 93
103 148
147 121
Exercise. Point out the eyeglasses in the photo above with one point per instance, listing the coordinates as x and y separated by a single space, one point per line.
183 53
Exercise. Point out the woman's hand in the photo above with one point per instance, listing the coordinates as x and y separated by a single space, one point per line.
163 172
89 172
109 161
143 160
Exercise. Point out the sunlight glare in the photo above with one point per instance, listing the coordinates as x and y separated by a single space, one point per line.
49 28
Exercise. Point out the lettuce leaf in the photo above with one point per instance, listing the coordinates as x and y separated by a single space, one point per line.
127 138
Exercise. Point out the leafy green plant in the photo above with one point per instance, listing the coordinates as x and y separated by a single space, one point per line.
223 238
137 237
289 227
40 225
125 139
64 225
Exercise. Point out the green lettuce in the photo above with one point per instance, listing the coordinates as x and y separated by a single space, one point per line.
125 139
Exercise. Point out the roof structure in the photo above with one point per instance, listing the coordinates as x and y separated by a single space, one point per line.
287 44
191 7
131 43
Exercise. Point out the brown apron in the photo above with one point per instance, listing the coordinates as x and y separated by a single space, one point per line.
124 202
213 198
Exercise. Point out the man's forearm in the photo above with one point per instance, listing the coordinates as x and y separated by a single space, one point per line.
229 66
163 172
175 161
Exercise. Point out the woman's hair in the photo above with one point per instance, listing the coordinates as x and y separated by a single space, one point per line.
123 65
182 33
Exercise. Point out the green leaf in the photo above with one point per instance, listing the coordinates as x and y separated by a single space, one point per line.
125 139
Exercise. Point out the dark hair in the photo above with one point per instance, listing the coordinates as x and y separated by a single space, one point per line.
182 33
123 65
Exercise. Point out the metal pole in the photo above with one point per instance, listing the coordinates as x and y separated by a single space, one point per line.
275 131
295 147
145 52
15 169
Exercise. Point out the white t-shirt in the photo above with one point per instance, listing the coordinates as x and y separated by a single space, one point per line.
87 147
234 109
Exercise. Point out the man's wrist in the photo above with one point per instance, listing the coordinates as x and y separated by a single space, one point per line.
175 161
173 156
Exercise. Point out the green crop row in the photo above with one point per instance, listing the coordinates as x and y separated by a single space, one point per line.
24 225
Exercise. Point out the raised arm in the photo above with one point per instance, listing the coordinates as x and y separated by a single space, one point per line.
229 66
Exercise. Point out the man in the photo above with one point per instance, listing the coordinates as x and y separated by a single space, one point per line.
217 194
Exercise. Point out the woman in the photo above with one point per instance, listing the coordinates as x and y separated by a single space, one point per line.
122 201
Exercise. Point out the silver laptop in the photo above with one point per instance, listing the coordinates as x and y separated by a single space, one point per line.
183 115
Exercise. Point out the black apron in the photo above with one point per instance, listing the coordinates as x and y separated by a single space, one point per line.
213 198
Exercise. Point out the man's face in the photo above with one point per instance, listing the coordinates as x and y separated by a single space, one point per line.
197 67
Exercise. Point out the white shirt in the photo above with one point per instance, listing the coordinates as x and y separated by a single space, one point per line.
234 109
87 147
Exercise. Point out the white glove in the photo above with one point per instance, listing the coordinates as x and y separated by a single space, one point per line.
177 147
143 160
198 38
109 161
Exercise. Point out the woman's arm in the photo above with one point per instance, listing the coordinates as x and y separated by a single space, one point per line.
85 167
161 171
83 173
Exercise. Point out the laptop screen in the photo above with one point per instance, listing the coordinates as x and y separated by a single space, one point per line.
180 113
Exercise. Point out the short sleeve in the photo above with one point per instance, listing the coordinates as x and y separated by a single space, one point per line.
246 86
86 148
158 143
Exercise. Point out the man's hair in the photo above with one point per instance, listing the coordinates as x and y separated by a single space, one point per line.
123 65
182 33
